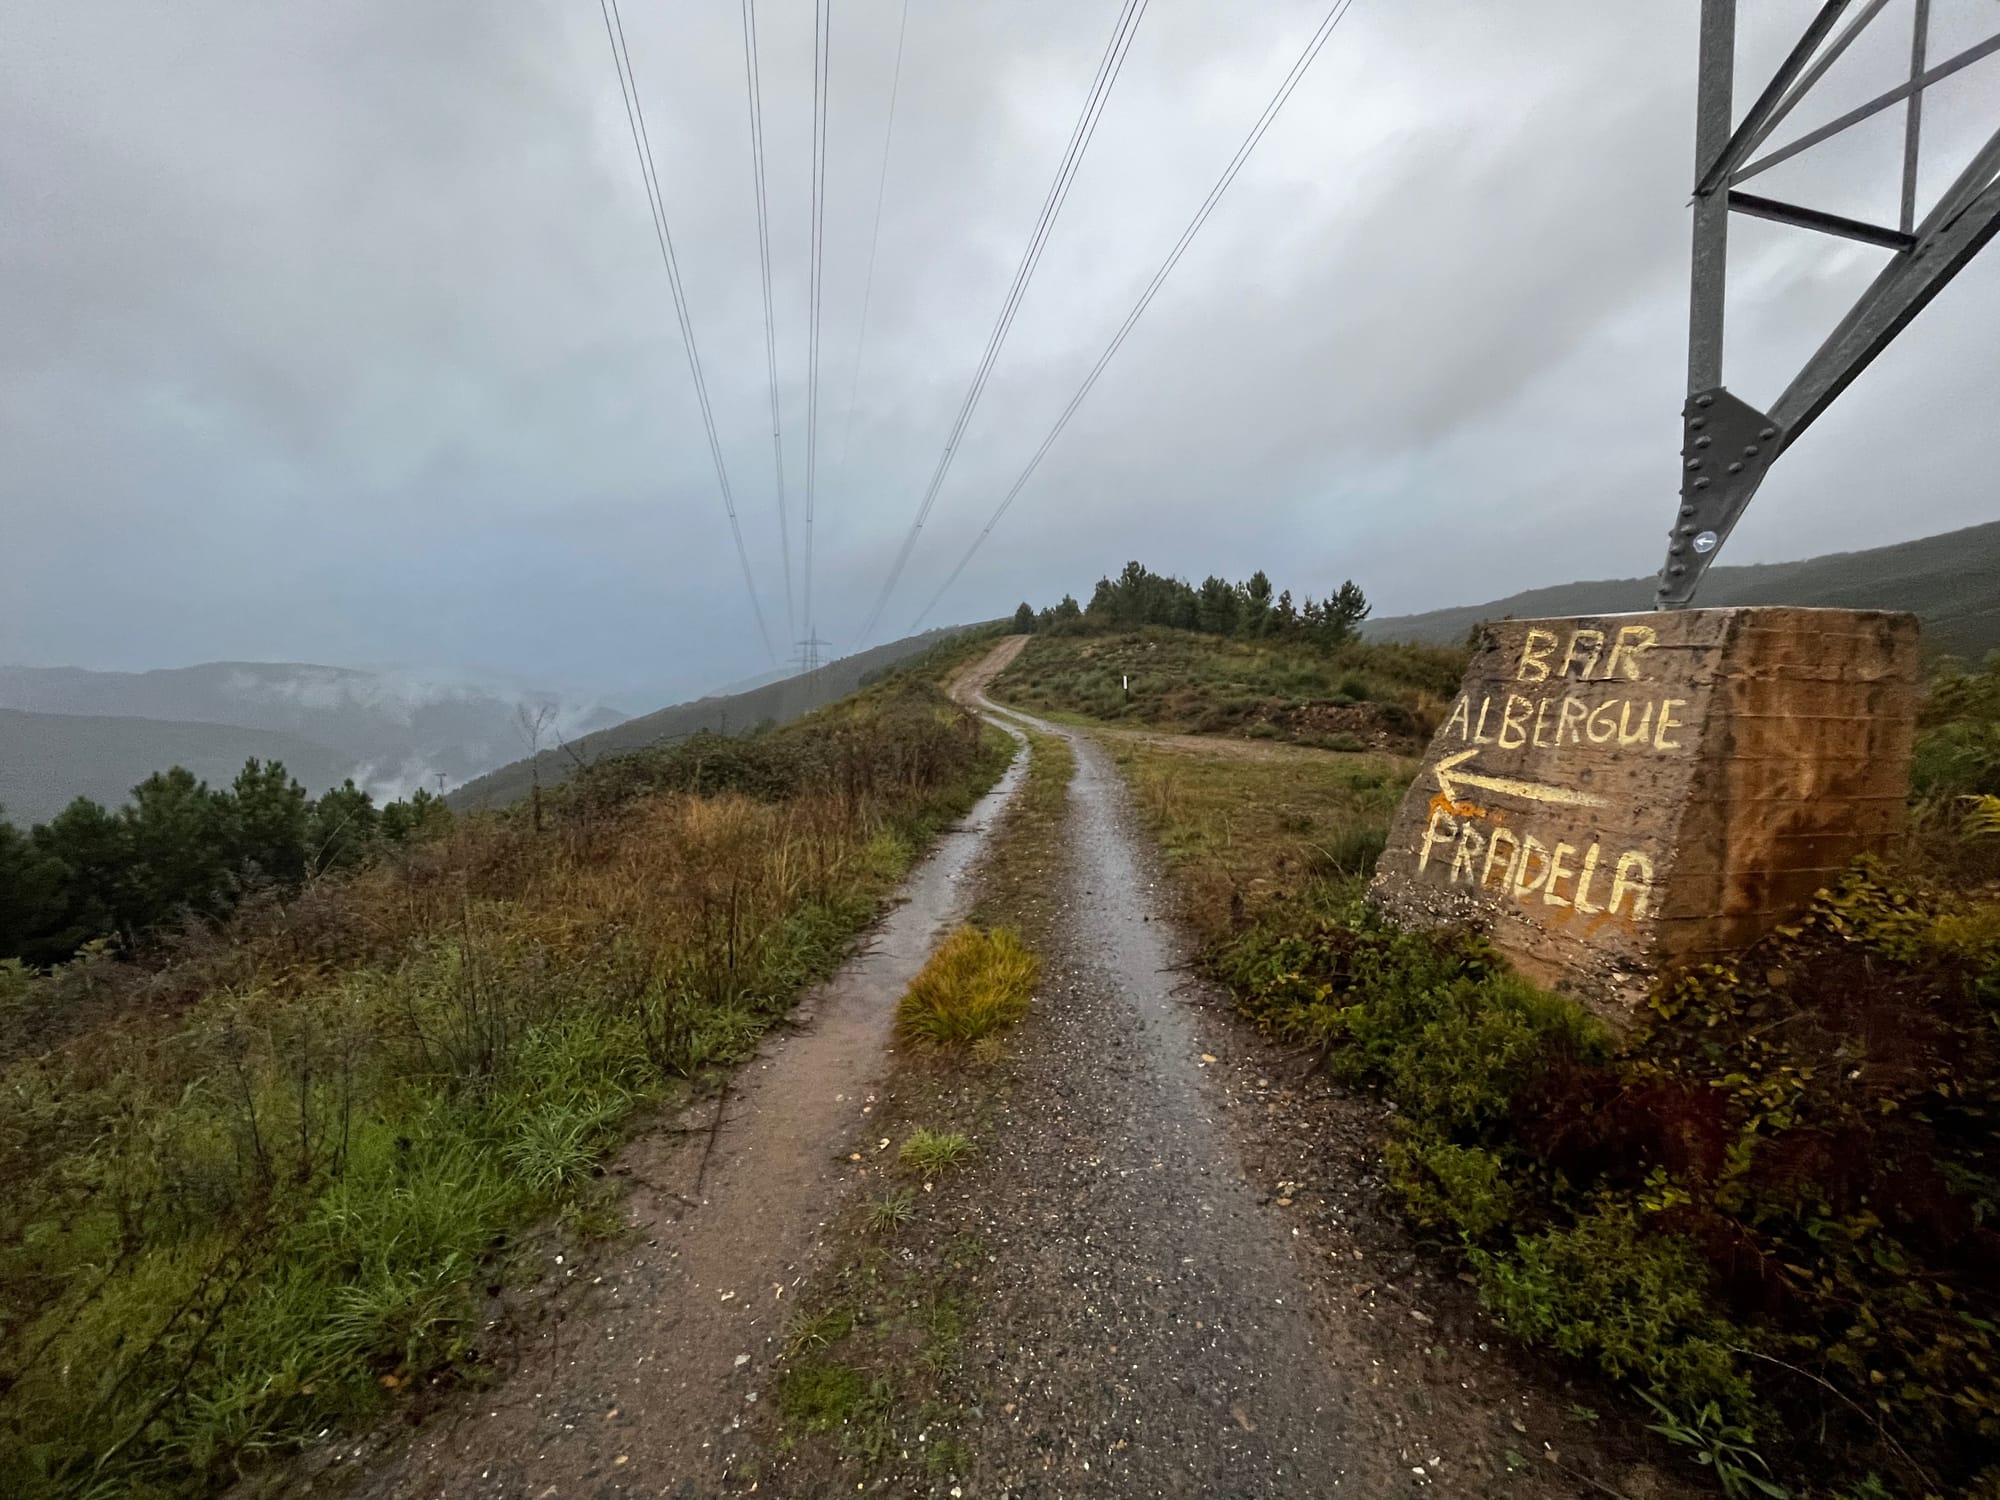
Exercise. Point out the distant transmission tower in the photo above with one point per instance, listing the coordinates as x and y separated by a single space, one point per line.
808 656
1728 444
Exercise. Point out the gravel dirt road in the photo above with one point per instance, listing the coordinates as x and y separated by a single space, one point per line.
1145 1331
1186 1280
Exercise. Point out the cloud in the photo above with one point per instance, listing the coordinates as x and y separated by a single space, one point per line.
338 333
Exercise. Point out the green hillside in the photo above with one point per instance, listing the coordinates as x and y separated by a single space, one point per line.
1951 582
728 713
49 760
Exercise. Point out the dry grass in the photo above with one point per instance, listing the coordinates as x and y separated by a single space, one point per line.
976 983
1239 834
250 1198
1271 689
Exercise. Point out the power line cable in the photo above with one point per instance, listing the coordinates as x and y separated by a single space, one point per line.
753 80
875 235
822 61
1108 68
635 118
1291 81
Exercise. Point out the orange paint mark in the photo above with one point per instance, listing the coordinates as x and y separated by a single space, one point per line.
1457 809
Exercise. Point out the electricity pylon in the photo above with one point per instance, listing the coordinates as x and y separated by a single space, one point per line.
1728 444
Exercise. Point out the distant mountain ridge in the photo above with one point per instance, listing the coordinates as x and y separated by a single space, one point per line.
1950 582
395 730
47 761
776 702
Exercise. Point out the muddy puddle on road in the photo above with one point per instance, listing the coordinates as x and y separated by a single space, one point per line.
636 1379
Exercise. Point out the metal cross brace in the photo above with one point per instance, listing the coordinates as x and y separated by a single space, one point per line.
1728 444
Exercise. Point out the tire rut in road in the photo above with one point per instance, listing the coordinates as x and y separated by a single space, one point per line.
1146 1332
638 1374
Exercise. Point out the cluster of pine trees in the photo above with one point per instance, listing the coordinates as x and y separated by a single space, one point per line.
1139 596
179 848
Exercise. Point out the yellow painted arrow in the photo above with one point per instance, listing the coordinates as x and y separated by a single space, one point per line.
1506 786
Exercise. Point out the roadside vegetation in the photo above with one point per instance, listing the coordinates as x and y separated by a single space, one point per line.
1229 659
1773 1213
258 1194
1955 773
1244 836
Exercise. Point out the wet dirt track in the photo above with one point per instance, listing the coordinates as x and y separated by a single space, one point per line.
636 1381
1147 1332
1189 1284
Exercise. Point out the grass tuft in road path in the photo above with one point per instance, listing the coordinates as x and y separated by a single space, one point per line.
976 983
933 1151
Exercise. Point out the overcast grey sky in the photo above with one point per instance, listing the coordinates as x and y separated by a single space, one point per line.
337 332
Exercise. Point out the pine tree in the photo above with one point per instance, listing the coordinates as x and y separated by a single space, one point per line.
31 895
1344 613
423 815
1217 607
1256 605
272 812
343 827
181 836
93 849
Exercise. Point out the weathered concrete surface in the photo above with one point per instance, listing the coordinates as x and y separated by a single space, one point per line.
1614 794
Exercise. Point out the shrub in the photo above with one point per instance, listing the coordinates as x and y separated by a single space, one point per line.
1957 760
1485 1041
976 983
1638 1304
1792 1172
1462 1189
